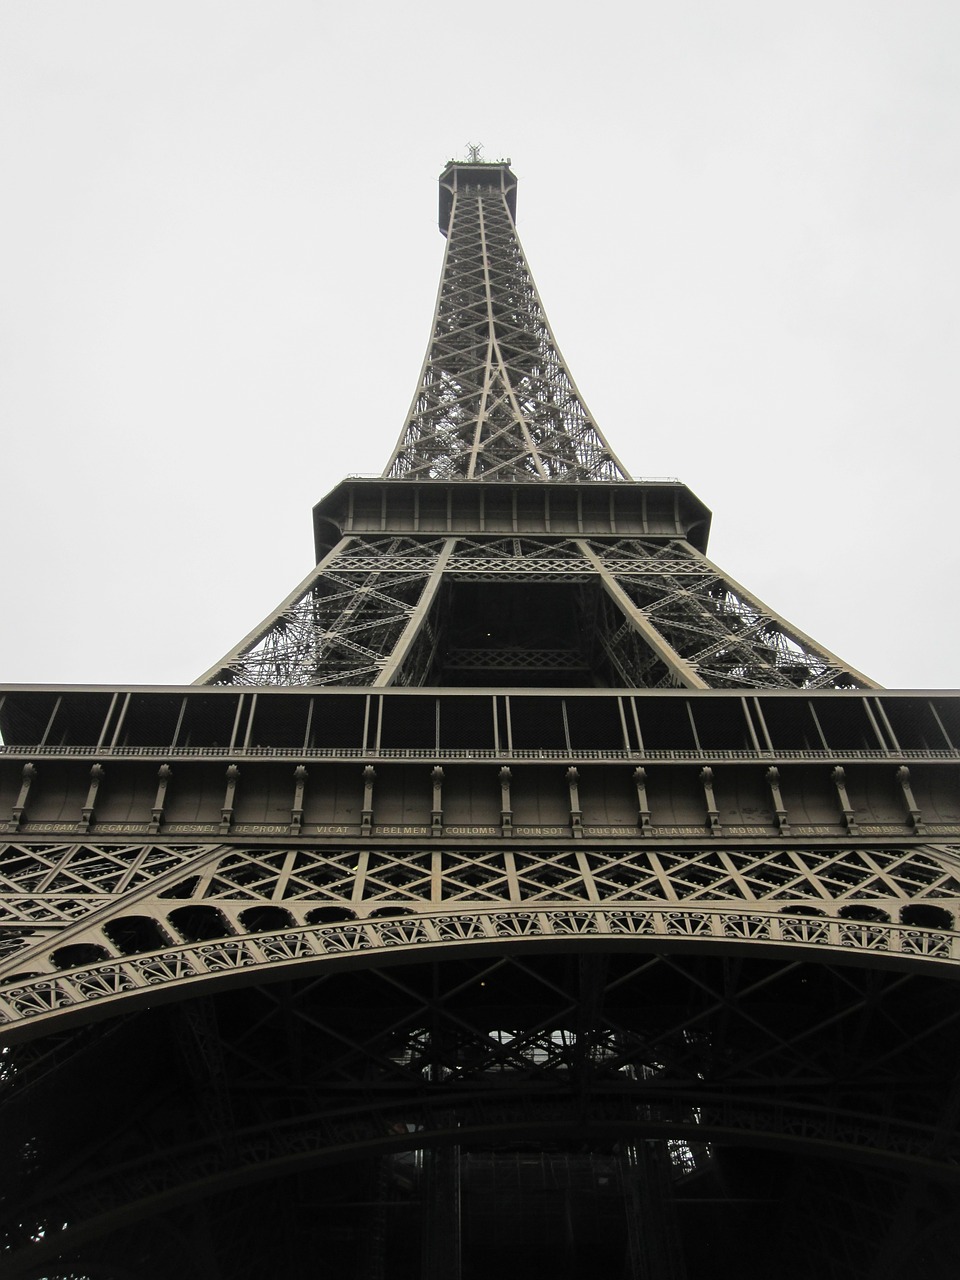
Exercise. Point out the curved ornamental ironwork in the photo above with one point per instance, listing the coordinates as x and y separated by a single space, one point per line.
258 957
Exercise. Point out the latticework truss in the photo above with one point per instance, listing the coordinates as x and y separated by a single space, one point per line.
342 625
123 917
637 612
495 400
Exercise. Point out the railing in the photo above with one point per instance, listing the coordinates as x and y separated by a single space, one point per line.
378 475
479 753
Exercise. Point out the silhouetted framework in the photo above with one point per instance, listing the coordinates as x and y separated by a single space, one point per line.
523 897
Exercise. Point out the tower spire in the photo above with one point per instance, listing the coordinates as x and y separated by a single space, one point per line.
495 400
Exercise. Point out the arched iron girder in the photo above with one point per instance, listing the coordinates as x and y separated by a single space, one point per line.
41 1002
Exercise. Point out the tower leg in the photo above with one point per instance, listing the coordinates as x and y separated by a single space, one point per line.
374 1246
441 1217
653 1246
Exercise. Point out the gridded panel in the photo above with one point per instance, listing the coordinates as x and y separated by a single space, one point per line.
280 722
790 724
594 724
920 724
537 723
151 720
665 724
721 725
209 720
408 723
338 722
466 723
846 724
948 714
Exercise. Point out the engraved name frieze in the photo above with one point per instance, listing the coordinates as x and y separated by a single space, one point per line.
678 831
399 830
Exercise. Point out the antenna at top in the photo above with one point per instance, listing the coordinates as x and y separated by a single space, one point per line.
474 150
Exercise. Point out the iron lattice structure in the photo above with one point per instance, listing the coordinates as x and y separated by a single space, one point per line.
522 893
495 399
496 406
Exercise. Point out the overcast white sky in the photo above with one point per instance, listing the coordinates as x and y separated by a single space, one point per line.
219 254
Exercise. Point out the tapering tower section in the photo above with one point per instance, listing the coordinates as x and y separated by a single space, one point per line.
505 543
522 897
495 399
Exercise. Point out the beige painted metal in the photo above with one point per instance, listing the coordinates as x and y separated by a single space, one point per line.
417 618
681 669
263 628
788 629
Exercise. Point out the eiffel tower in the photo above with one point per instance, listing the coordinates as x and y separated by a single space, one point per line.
522 894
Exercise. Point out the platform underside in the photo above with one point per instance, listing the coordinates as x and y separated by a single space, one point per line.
539 1113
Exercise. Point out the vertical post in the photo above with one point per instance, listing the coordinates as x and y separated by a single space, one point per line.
643 806
713 813
436 815
366 815
229 795
296 813
576 813
164 773
506 809
441 1217
88 810
913 809
779 808
654 1250
27 778
839 778
373 1263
